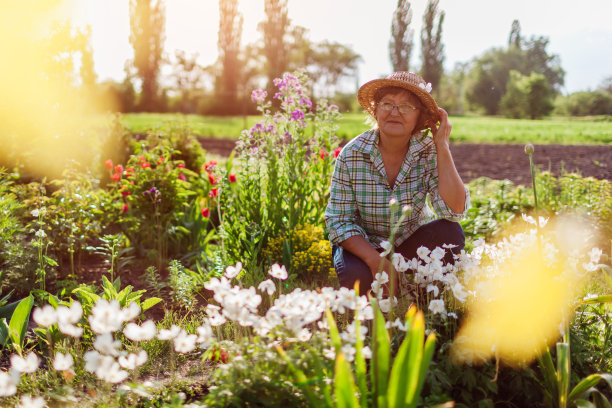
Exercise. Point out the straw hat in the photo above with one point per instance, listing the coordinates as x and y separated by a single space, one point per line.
406 80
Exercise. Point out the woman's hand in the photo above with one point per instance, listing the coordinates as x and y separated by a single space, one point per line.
441 134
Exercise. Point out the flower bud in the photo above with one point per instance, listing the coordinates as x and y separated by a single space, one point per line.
529 149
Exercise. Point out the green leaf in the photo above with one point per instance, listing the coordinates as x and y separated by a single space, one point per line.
584 384
50 261
86 295
582 403
121 296
19 321
149 303
398 379
344 384
415 357
563 371
300 377
598 299
6 311
547 369
380 357
334 335
600 400
4 332
360 364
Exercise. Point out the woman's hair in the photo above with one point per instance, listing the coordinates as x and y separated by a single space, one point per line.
394 90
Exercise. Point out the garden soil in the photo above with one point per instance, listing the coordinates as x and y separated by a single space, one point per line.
503 161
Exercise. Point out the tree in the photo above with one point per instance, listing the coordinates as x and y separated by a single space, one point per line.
515 35
538 60
187 77
432 49
526 96
230 31
274 28
147 25
400 45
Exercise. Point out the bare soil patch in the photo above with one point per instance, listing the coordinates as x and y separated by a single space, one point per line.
503 161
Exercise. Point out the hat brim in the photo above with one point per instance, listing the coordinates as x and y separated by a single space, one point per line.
366 93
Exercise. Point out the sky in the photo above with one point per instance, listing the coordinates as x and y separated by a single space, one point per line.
579 32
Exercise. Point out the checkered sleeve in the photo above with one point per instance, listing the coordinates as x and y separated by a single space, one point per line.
439 205
341 211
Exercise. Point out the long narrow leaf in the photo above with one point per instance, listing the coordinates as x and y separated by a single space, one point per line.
563 372
360 365
549 373
380 357
415 356
588 382
19 321
334 335
598 299
344 384
600 400
4 332
300 378
398 378
428 352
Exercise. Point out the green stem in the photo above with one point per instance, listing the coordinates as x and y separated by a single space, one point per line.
533 182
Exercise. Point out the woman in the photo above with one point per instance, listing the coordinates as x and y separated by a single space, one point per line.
400 160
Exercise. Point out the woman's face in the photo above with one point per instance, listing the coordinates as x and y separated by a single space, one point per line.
393 123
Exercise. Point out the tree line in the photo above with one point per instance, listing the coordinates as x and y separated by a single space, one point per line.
520 80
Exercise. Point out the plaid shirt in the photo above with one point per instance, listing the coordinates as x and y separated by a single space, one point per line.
360 192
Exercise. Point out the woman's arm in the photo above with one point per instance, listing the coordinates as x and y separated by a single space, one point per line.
450 185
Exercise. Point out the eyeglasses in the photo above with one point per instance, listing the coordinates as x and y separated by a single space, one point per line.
402 108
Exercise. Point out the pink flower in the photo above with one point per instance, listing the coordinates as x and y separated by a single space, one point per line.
322 153
232 178
145 165
119 169
181 176
116 177
337 151
125 208
180 166
125 193
108 164
213 192
205 212
211 178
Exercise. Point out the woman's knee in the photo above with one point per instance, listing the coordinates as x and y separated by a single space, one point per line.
351 269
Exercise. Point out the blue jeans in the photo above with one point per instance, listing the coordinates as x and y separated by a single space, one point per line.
350 268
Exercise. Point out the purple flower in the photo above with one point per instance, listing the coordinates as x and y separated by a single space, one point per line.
306 101
271 129
297 115
257 128
258 95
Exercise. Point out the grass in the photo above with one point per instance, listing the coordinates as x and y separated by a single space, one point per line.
466 129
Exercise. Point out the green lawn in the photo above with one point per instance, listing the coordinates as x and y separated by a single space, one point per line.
468 129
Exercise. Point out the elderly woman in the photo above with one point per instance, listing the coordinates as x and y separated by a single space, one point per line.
399 159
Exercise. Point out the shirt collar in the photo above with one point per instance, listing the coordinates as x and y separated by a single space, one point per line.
368 143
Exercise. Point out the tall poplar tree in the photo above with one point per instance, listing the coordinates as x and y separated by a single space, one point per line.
432 49
147 26
230 31
400 45
274 28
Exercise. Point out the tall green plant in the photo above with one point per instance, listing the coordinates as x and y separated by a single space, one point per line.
286 162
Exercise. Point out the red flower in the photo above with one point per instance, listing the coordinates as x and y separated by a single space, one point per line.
205 212
337 151
213 192
109 164
322 153
119 169
129 171
181 176
116 176
125 208
125 193
160 161
180 166
232 178
211 178
142 159
210 166
145 165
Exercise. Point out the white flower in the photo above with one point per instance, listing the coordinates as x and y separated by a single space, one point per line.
426 87
205 336
278 271
70 315
63 362
392 202
45 316
366 352
437 307
28 401
232 271
329 353
29 364
304 335
185 342
399 262
169 334
70 330
437 254
267 286
423 253
459 292
133 360
114 374
595 255
434 289
106 316
40 234
135 332
106 344
131 311
529 219
35 213
93 360
8 384
349 352
387 247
